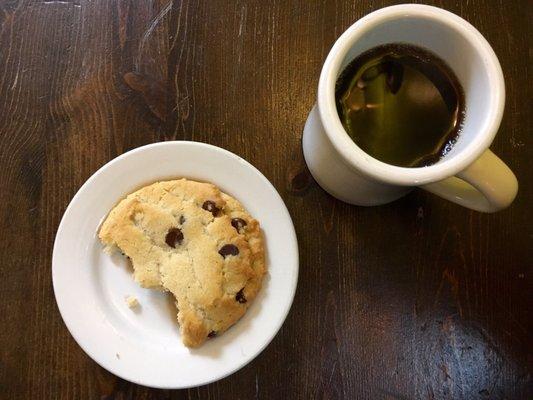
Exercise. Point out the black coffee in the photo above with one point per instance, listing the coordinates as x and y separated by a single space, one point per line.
401 104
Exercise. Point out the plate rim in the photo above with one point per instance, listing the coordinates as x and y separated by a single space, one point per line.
81 191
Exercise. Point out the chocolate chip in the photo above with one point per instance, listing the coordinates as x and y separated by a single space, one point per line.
182 220
211 207
211 334
228 250
240 296
174 237
238 223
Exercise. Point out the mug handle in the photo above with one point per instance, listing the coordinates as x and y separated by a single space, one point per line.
487 185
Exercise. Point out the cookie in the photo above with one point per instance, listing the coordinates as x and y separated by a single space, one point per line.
196 242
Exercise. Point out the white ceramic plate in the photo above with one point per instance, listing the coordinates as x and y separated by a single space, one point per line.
144 346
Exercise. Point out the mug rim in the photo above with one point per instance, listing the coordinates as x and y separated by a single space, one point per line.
353 155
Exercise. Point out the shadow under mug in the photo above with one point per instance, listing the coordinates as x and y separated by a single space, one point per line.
470 174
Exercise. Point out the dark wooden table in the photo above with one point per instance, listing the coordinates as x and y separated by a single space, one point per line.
419 299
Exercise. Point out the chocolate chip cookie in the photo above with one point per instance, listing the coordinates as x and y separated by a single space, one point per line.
196 242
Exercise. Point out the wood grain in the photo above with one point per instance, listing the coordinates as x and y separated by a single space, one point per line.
418 299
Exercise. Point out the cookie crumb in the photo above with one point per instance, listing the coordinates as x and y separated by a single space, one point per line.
132 302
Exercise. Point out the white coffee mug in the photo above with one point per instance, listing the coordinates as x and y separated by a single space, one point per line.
470 174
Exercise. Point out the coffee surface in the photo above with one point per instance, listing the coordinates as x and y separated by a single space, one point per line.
401 104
